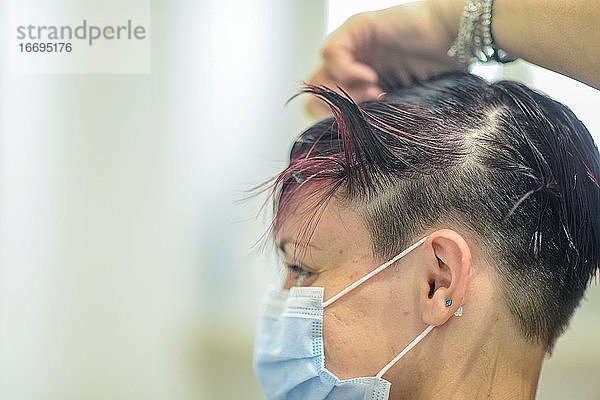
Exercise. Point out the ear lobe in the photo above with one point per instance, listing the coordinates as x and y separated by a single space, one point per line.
448 263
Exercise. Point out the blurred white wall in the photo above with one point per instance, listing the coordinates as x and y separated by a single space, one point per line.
126 269
98 281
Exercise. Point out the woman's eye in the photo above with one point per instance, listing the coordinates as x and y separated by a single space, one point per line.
297 273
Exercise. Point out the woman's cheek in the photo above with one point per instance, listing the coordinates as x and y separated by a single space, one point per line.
340 345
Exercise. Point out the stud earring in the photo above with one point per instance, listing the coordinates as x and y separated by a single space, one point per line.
448 302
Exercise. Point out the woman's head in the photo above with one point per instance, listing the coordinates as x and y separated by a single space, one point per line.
504 179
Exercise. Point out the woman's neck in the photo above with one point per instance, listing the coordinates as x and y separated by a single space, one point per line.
492 365
490 378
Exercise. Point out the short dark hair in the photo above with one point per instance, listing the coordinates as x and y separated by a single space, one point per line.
513 168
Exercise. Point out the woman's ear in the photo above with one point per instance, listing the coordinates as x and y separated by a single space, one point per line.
445 276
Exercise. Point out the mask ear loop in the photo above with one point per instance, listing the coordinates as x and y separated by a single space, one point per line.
373 273
406 350
412 344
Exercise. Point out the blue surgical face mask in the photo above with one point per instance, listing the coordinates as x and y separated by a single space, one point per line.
289 361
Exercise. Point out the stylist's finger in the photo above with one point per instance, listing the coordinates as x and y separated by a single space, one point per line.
343 67
315 107
340 50
358 91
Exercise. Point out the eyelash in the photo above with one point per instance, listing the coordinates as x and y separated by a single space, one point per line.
297 269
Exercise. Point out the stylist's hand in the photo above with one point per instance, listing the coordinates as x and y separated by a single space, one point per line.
375 51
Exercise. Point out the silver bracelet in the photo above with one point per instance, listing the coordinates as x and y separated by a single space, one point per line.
474 40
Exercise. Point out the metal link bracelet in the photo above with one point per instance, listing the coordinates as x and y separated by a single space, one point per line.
474 40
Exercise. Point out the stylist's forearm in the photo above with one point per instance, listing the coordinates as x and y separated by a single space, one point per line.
561 35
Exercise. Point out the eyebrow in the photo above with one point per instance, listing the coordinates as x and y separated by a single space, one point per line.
284 242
